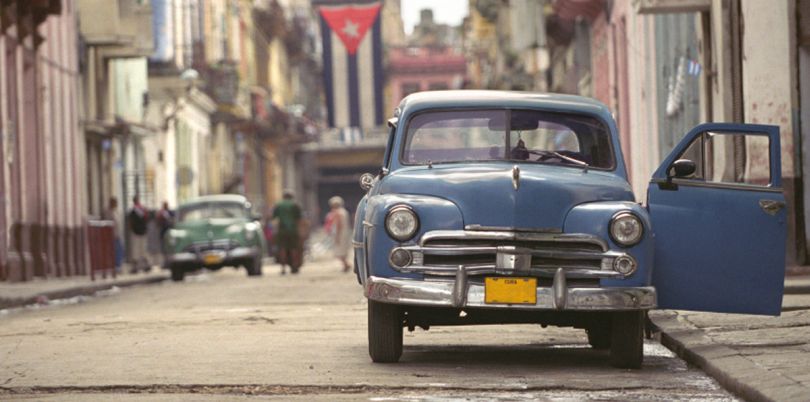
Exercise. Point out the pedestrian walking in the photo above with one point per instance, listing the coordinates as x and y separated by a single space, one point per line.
165 219
287 215
111 214
138 219
339 230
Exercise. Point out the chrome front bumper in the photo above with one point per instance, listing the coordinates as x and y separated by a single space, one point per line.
459 294
237 253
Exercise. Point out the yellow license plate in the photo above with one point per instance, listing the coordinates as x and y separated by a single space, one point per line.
510 290
212 259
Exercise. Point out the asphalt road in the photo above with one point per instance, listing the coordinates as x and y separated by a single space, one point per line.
222 335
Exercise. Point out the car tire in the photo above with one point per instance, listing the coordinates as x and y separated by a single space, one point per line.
178 274
254 267
627 339
599 335
384 332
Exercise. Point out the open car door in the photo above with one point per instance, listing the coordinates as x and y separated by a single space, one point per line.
718 213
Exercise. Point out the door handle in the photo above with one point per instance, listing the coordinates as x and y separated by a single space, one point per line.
771 207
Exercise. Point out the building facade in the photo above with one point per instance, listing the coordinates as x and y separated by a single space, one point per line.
42 208
690 62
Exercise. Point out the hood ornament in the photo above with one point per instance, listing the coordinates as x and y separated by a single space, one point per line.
516 177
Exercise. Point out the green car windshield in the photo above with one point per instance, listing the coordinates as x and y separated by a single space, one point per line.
212 210
531 136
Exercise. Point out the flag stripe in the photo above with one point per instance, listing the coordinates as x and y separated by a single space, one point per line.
365 64
353 82
340 85
326 40
377 51
354 91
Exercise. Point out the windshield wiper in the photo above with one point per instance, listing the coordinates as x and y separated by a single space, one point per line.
575 161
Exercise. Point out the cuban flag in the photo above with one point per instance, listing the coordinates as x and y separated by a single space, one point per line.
352 63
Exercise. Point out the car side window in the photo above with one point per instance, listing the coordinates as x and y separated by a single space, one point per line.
730 158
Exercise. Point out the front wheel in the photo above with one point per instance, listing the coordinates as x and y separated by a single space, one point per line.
627 339
178 274
384 332
599 335
254 267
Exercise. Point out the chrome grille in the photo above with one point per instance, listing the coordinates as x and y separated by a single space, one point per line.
213 245
505 252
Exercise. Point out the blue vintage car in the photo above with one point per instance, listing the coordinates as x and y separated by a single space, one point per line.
501 207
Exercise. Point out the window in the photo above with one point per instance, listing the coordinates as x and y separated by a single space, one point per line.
530 136
732 158
409 88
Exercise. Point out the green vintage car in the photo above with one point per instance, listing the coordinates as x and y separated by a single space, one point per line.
213 232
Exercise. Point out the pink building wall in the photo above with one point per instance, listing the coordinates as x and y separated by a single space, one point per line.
424 67
41 213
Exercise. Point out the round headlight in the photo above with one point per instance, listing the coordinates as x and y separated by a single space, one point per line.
401 223
626 229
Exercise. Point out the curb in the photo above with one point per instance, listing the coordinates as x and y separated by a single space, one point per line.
733 371
78 291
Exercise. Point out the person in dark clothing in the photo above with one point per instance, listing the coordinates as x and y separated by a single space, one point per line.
287 215
137 220
165 219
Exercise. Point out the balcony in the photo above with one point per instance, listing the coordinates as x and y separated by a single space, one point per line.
123 27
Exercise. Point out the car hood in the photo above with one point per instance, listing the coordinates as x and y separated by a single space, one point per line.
486 195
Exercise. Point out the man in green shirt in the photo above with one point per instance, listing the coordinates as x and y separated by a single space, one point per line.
287 214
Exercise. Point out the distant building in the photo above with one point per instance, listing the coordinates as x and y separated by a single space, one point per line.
427 33
662 67
414 69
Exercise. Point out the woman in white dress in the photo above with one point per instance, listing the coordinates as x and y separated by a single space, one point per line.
339 229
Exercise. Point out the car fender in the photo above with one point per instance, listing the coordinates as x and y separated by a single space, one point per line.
434 213
594 218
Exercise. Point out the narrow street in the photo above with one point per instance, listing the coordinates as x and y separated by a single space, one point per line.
222 335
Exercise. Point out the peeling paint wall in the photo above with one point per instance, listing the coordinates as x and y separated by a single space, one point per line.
768 73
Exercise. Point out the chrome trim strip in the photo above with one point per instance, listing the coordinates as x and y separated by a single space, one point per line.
483 269
520 236
727 186
441 294
242 252
477 227
357 244
181 257
474 250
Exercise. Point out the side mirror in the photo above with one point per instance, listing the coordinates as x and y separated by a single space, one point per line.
683 168
366 181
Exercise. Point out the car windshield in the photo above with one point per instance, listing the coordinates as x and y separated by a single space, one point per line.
530 136
212 210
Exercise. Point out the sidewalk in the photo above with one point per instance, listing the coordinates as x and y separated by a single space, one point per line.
41 290
758 358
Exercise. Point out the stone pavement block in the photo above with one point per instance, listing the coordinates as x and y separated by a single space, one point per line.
719 343
779 393
776 337
796 302
731 321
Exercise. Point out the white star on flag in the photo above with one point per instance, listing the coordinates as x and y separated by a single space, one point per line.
351 28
